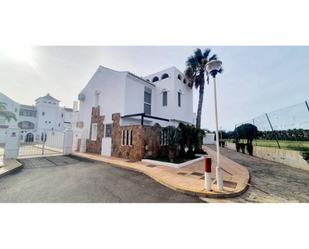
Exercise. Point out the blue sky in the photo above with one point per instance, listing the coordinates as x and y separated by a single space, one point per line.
255 79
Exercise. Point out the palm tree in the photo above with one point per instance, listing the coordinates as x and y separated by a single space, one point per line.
195 74
6 114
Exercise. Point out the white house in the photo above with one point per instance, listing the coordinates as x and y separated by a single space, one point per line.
46 115
117 105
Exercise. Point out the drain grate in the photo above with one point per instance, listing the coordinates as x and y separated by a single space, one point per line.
131 161
151 166
197 174
228 184
181 173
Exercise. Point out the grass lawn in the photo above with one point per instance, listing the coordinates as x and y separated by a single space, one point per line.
284 144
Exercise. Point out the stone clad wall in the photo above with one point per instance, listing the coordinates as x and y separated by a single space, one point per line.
145 142
95 146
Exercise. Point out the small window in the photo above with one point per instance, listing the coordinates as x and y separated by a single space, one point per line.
147 101
184 81
131 137
164 76
179 77
94 131
108 130
179 99
62 115
122 137
164 98
43 113
127 137
147 109
59 125
155 79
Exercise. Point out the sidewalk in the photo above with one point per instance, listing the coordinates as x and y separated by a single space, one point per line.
189 179
9 167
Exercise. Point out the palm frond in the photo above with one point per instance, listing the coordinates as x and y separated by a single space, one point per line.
198 55
206 53
213 57
191 62
8 115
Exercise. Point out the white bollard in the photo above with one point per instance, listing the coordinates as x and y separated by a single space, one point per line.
207 182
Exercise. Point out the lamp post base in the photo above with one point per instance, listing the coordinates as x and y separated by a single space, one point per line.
219 175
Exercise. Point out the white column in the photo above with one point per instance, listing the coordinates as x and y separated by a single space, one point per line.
68 142
11 148
218 168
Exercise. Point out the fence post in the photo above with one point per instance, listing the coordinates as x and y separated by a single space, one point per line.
11 148
68 142
272 130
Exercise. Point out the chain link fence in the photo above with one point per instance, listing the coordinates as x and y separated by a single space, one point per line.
286 128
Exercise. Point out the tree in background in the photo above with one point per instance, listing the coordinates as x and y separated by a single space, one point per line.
248 132
6 114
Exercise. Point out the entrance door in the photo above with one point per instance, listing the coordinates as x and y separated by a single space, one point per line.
107 141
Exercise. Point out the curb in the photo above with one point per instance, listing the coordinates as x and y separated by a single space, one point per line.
12 171
173 187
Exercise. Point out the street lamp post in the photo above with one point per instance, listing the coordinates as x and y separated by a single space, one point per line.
213 67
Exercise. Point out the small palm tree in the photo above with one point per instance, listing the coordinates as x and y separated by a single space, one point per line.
6 114
195 74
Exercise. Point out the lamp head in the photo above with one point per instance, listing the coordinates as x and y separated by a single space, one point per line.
213 67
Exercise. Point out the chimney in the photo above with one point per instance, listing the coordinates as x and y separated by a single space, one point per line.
75 106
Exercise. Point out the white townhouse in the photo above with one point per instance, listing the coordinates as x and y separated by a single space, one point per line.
46 115
119 111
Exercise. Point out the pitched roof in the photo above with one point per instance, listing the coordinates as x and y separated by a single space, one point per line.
48 97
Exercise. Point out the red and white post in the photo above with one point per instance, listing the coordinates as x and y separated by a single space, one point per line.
207 182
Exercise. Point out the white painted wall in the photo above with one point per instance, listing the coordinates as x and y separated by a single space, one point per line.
172 85
122 92
110 85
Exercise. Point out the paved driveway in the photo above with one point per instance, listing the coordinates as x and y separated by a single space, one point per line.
65 179
270 181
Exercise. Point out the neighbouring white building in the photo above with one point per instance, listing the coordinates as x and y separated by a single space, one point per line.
45 116
119 112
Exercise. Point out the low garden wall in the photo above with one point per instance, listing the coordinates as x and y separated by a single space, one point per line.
173 165
288 157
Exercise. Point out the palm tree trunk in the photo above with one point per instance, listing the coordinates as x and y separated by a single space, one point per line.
200 101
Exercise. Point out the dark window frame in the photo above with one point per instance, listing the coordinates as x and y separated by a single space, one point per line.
164 98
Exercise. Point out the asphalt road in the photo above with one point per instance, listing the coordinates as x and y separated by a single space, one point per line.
270 181
61 179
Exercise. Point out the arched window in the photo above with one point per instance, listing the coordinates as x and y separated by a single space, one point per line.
155 79
179 77
184 81
164 76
